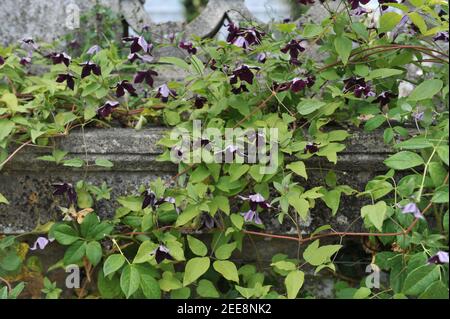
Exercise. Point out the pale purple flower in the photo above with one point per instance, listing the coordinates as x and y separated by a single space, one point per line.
255 201
441 257
412 208
418 116
41 243
252 216
93 50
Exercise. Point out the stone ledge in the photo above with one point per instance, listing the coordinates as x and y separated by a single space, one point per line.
26 181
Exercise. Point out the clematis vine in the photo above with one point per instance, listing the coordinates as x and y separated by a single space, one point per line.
164 92
138 44
161 253
123 86
188 46
68 78
412 208
107 109
384 98
199 101
58 58
41 243
358 86
294 48
311 148
68 189
243 37
243 73
440 258
146 76
90 67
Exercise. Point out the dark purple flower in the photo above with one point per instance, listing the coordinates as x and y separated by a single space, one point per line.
58 58
412 208
199 101
255 201
107 108
26 60
384 98
2 60
243 37
146 76
261 57
212 64
358 86
68 78
149 198
293 48
161 253
66 188
441 36
136 56
89 67
188 46
138 44
164 92
298 85
440 258
239 89
41 243
356 3
243 73
311 148
123 86
93 50
252 216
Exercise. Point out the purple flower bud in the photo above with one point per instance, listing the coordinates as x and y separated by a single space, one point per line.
412 208
440 258
199 101
41 243
149 198
93 50
252 216
2 60
164 92
107 109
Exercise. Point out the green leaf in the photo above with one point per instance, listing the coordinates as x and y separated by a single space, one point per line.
362 293
375 213
206 289
388 21
225 250
301 205
94 252
103 163
420 279
443 153
284 265
403 160
76 162
374 122
187 215
343 47
298 168
237 220
175 61
195 267
332 200
75 252
113 263
199 174
6 127
312 30
437 290
307 106
426 90
227 269
64 234
131 202
414 143
144 252
149 286
316 255
417 19
197 246
130 280
382 73
3 199
294 282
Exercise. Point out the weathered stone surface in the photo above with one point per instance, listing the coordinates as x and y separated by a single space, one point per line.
26 182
